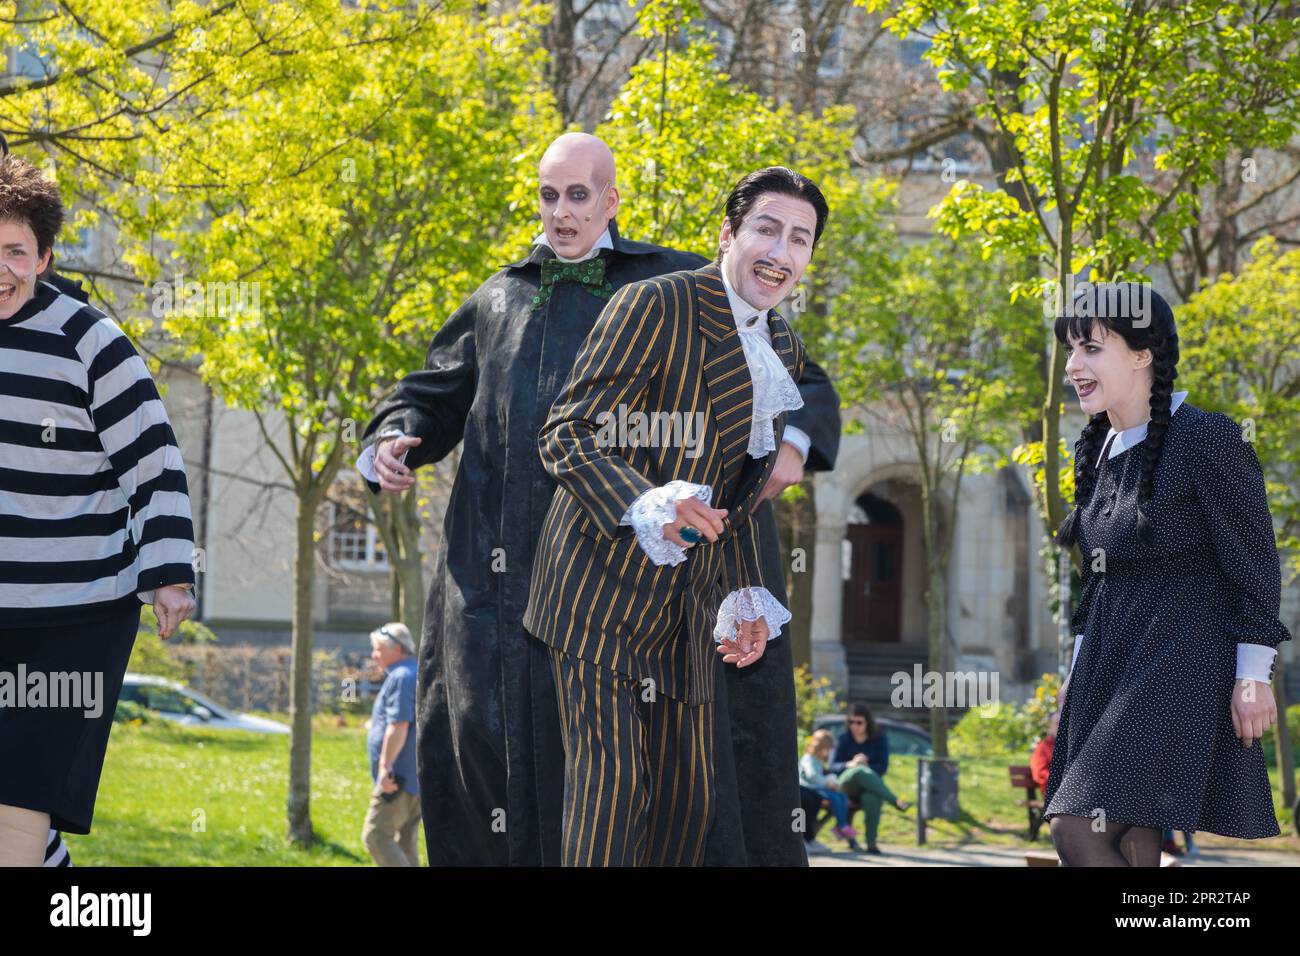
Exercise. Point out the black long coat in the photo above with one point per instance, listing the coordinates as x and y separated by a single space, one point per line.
1146 734
491 762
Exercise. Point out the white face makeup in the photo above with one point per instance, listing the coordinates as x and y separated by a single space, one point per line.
765 259
1109 376
576 197
19 266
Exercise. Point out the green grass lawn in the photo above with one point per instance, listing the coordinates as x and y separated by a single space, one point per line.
157 775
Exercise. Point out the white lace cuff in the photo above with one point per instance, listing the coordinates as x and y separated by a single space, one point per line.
656 508
366 463
749 604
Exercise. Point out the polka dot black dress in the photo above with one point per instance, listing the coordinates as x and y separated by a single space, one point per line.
1146 733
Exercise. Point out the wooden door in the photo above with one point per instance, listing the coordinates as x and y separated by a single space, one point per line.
872 598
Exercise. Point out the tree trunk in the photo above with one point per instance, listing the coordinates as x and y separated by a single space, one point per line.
797 527
936 605
1056 388
1052 432
300 708
936 609
1285 759
410 570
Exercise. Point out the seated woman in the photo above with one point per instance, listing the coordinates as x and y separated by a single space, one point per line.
861 758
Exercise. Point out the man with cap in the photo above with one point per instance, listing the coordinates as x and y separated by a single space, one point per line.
491 755
392 829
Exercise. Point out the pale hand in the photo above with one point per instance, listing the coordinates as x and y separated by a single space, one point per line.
748 645
1253 710
694 512
787 471
393 475
171 605
386 783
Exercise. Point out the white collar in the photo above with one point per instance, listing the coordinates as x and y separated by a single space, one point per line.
604 242
742 311
1131 436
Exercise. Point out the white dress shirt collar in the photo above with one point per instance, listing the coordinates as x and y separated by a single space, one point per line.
1131 436
742 312
604 242
748 318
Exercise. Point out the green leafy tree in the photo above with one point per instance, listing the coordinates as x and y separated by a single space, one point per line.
946 363
1087 96
94 84
1240 343
347 193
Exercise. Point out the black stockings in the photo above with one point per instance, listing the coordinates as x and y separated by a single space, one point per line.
1118 844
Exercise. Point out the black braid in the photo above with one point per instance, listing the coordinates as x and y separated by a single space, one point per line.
1086 450
1164 362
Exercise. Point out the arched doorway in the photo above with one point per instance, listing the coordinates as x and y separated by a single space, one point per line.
872 569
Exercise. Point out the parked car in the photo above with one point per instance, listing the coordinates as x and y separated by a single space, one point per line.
906 740
175 702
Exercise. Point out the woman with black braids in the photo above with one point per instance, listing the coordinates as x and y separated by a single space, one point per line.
1177 626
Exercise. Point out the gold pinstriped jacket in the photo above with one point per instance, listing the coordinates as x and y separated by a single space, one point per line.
664 345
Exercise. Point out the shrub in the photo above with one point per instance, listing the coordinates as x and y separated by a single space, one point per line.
813 698
129 712
1011 730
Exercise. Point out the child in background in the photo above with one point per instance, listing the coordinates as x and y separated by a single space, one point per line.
813 775
1040 763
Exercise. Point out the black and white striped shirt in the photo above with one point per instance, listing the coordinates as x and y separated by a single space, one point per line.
94 506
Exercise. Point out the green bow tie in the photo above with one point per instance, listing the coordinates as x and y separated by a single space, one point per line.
590 272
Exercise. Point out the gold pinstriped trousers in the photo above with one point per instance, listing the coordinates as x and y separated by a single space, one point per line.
638 774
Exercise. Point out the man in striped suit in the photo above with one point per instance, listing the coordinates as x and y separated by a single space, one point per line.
676 403
491 758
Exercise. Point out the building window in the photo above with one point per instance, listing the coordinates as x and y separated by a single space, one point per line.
355 544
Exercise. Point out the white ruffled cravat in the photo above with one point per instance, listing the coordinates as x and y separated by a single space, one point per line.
774 391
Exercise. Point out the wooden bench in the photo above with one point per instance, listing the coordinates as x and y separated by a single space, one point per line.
1021 778
828 814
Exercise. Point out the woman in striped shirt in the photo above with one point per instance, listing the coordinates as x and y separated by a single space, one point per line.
94 522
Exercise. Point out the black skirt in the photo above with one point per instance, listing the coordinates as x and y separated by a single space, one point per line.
58 691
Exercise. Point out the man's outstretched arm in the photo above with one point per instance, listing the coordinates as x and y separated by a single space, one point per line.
429 406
